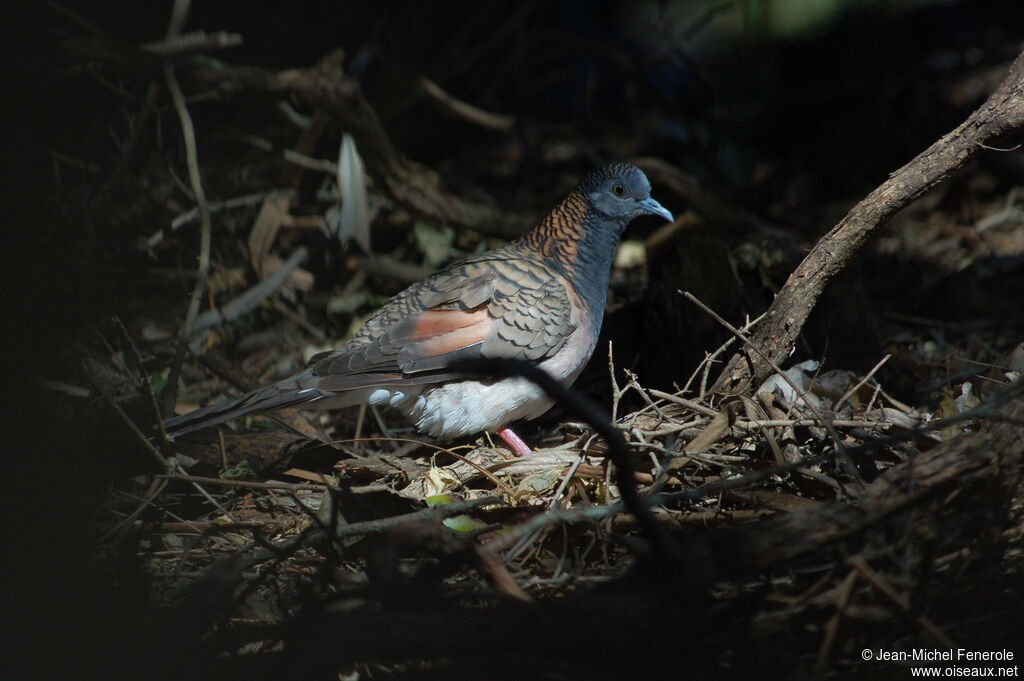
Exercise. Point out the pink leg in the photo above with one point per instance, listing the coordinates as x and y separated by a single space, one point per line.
519 448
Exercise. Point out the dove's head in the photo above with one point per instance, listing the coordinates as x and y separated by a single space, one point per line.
621 192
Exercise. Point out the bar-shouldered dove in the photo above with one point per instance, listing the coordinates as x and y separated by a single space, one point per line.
539 298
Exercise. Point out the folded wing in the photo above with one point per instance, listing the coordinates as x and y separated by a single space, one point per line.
481 308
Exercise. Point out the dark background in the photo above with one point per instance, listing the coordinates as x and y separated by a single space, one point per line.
789 113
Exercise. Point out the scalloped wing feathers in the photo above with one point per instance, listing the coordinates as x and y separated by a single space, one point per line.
489 307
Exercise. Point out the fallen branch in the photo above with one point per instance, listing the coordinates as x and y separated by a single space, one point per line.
410 184
943 483
251 297
475 115
192 43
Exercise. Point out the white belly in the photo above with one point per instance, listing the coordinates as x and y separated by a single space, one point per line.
469 407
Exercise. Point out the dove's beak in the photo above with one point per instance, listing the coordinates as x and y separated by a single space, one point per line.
655 208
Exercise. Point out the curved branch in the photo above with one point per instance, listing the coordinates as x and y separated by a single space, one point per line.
1001 114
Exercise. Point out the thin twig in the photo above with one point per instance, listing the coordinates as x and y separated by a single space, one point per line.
207 495
683 402
192 215
856 387
566 479
475 115
145 384
664 545
708 360
289 486
179 15
162 462
651 404
156 486
616 391
170 393
832 628
851 469
483 471
838 423
379 526
191 43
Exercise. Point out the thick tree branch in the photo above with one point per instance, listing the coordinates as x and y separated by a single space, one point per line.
1000 115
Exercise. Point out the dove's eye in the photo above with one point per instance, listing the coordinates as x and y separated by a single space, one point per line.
619 190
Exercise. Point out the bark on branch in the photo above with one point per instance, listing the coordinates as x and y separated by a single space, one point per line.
775 336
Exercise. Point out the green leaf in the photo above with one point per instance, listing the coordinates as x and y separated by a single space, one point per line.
158 381
240 471
438 500
463 523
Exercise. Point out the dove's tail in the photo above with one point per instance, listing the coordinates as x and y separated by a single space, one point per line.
272 397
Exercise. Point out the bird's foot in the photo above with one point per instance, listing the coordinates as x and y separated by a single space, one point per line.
519 448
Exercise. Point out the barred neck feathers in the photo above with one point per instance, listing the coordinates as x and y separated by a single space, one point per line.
576 240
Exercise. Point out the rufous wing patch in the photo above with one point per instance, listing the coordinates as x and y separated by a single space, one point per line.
453 340
434 323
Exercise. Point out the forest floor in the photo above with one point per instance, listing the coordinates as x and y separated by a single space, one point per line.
866 498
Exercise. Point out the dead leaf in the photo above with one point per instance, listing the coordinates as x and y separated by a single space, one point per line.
535 484
435 243
311 476
437 481
711 434
272 215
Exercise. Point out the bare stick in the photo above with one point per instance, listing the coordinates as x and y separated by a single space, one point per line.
289 486
832 628
202 490
193 214
147 388
851 469
855 388
170 393
683 402
316 536
252 296
617 392
191 43
860 565
704 369
459 108
150 447
156 486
